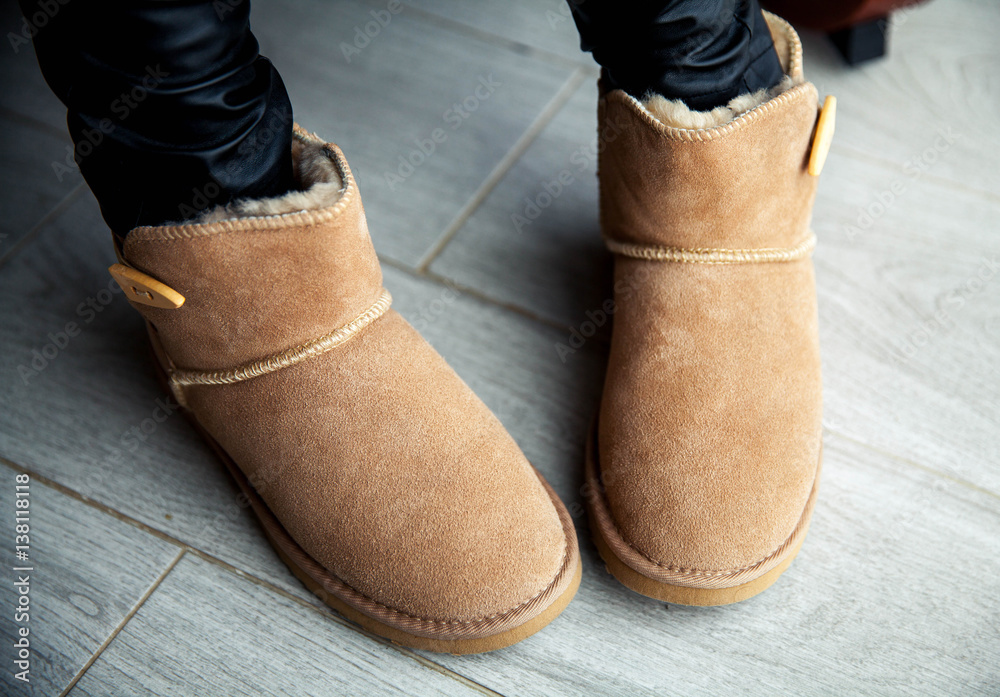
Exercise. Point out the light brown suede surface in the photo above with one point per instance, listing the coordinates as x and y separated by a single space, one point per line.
730 189
709 429
375 457
388 470
256 286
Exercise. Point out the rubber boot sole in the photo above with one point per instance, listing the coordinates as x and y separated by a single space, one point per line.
287 548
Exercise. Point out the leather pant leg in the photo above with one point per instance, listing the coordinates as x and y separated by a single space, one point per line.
703 52
170 106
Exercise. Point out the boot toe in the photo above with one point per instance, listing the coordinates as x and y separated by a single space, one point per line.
388 472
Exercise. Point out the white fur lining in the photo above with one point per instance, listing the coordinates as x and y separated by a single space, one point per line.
316 175
677 114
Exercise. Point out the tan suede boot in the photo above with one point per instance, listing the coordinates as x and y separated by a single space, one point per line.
702 470
383 482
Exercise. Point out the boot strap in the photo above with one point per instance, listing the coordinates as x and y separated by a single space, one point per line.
310 349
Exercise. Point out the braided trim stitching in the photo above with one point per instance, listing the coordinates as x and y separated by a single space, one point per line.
269 364
705 255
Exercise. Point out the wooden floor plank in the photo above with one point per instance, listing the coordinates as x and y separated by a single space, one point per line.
423 113
894 593
909 318
542 24
37 176
205 631
535 242
939 78
88 570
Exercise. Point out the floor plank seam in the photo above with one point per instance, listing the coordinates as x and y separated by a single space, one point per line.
445 282
898 168
521 49
507 306
318 607
184 548
125 620
910 463
555 105
54 213
33 123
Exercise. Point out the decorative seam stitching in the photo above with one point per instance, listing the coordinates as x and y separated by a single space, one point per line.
697 135
170 233
564 567
707 255
387 298
556 580
701 573
289 357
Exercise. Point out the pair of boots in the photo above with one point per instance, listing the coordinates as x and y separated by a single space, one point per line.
391 491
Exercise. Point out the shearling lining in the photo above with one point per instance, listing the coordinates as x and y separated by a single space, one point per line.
319 181
676 114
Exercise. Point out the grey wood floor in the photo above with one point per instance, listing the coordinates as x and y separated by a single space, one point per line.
150 578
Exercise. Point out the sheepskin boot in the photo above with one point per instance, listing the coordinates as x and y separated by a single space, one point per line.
387 487
704 463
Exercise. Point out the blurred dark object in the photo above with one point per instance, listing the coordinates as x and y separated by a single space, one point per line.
858 28
863 41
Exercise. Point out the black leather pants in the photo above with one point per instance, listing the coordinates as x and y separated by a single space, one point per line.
170 106
704 52
172 109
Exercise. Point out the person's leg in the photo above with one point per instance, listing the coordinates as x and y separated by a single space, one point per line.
170 106
703 53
